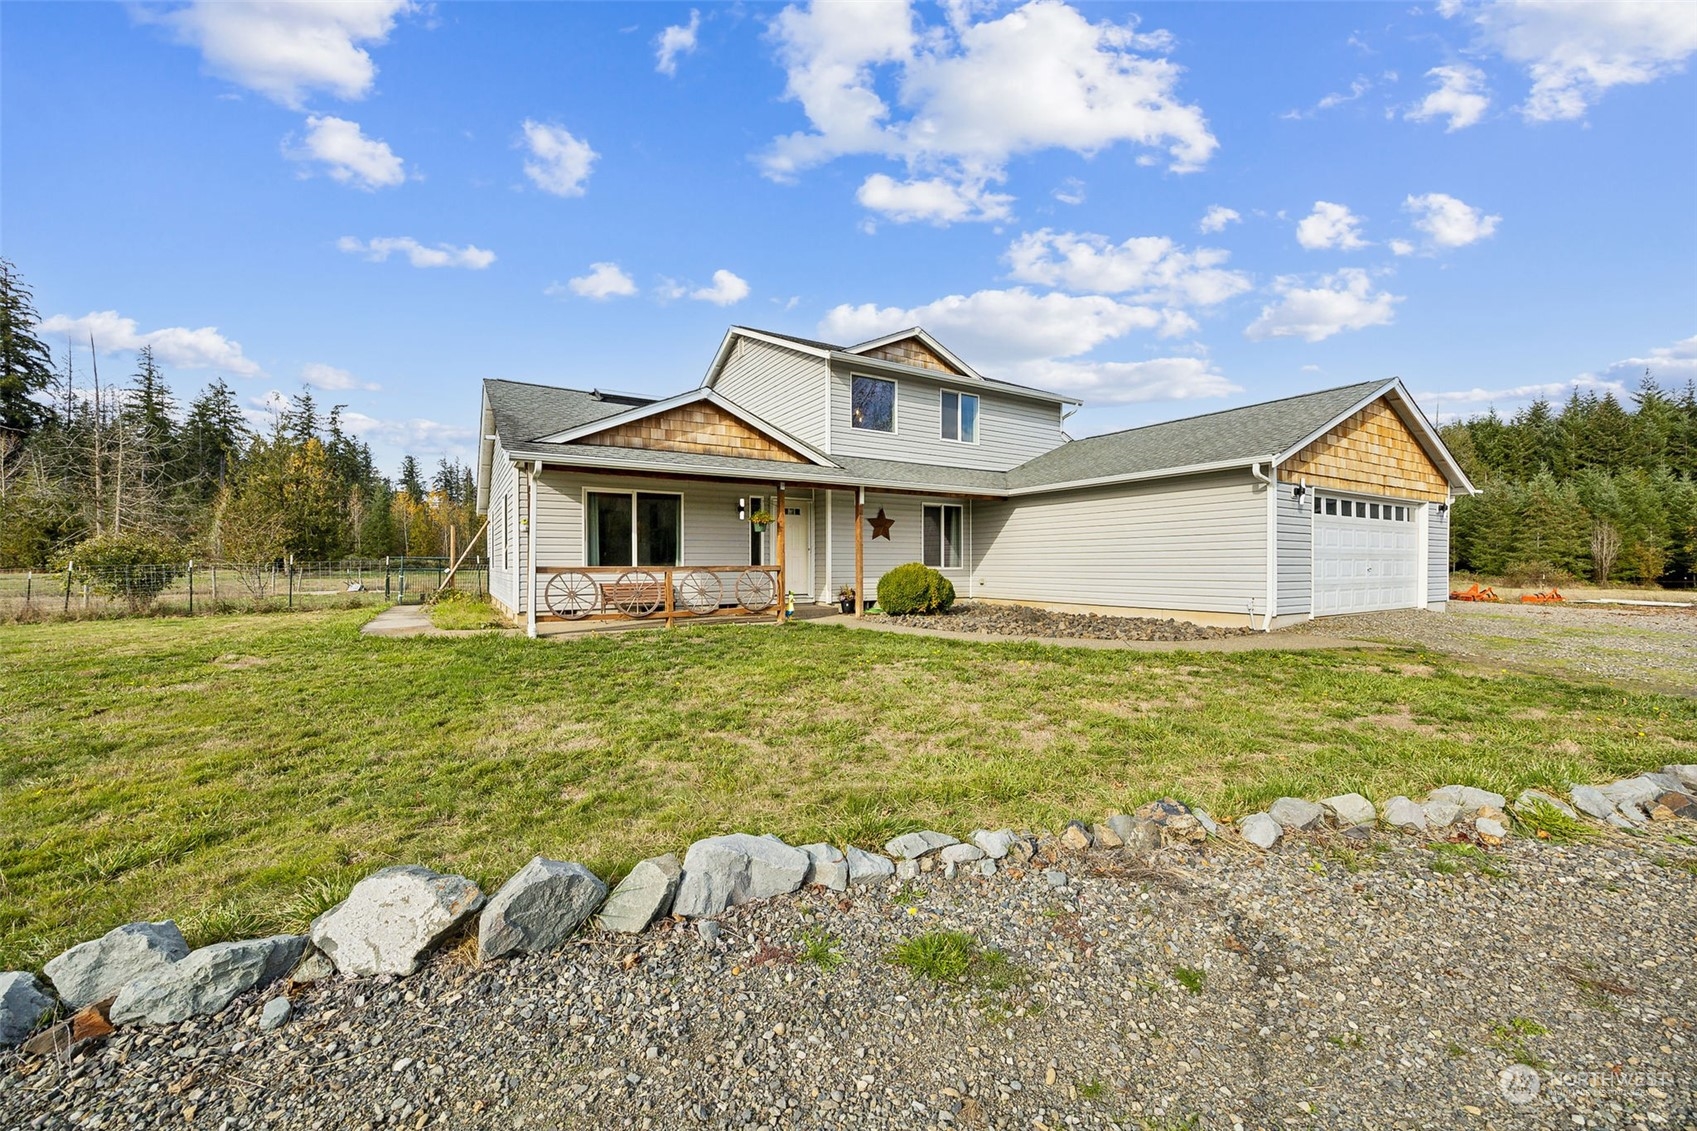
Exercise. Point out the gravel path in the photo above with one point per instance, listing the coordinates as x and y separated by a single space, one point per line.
1022 620
1654 648
1334 987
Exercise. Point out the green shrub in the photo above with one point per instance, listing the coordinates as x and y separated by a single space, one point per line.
914 588
136 567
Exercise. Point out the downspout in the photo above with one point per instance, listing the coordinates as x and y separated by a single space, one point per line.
1272 541
530 545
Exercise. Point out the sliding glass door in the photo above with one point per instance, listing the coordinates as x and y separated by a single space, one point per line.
633 528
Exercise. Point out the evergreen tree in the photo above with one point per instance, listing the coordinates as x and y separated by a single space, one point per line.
26 366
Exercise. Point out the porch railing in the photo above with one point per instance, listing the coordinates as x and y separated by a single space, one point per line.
608 592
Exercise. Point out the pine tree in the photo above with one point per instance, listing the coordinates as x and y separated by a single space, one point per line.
26 366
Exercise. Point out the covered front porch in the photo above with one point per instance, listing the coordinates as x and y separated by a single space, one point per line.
595 546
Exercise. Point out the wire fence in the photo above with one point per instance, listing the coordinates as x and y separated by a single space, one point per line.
192 588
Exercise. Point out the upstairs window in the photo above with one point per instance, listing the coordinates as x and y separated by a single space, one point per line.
960 417
942 537
874 404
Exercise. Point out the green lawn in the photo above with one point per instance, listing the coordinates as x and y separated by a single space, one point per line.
239 772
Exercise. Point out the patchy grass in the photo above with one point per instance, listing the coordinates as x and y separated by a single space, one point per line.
1190 978
955 958
820 947
216 768
1510 1039
1448 859
458 611
1542 820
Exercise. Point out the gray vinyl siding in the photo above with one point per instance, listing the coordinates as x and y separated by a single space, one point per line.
1011 430
1198 543
1296 553
1437 554
906 542
781 386
504 532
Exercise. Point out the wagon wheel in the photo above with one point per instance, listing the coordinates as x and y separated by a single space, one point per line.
699 592
755 590
638 593
571 595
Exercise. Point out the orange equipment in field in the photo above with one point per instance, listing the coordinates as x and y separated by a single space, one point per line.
1474 593
1553 597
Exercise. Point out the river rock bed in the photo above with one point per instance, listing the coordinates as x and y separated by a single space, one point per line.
1329 983
1022 620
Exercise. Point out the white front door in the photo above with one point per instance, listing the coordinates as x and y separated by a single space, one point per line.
1366 555
798 548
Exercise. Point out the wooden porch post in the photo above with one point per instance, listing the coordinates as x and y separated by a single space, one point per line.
780 540
859 550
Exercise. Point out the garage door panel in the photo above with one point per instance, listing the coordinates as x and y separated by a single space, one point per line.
1364 563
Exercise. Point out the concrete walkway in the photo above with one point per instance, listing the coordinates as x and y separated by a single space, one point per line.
403 620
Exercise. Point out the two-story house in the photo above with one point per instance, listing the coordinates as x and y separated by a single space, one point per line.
896 450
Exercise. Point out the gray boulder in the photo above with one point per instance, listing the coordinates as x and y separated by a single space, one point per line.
313 967
1401 813
643 896
1532 798
986 867
961 854
1490 827
1122 826
827 867
392 917
867 867
1442 814
276 1014
1470 799
907 870
1295 813
1590 800
724 871
1350 809
23 1003
206 981
1208 823
1685 773
911 846
994 843
1261 830
544 903
98 969
1633 797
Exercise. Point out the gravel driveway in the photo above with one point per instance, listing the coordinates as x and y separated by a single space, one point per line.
1654 648
1328 987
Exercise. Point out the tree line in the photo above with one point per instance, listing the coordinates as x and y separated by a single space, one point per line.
1593 489
120 472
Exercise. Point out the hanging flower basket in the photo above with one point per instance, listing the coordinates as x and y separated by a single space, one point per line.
761 520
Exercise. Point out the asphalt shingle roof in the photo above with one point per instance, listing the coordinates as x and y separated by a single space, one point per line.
524 411
1245 433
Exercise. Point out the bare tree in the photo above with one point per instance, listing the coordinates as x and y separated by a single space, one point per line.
1605 548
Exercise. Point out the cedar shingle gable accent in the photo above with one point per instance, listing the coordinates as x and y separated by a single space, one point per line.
912 351
1371 451
700 428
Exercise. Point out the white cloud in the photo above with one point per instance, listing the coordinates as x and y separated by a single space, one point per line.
347 154
1343 301
727 289
1671 366
1460 96
285 50
1447 222
1151 267
328 377
1217 217
560 162
1129 382
417 436
1359 87
605 280
674 41
1574 52
1069 191
974 95
442 255
1330 225
176 346
937 200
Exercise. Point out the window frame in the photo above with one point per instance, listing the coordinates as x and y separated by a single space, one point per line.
943 396
895 401
943 543
632 494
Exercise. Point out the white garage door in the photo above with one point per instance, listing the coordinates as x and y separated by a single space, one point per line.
1366 555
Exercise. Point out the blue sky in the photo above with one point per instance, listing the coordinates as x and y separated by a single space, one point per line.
1162 209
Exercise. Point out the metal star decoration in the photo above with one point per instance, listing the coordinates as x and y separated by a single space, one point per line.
881 525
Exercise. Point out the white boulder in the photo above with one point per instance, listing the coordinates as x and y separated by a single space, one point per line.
392 917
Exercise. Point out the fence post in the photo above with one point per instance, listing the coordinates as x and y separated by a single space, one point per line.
129 583
191 587
385 577
289 575
480 577
401 588
29 584
214 586
69 566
